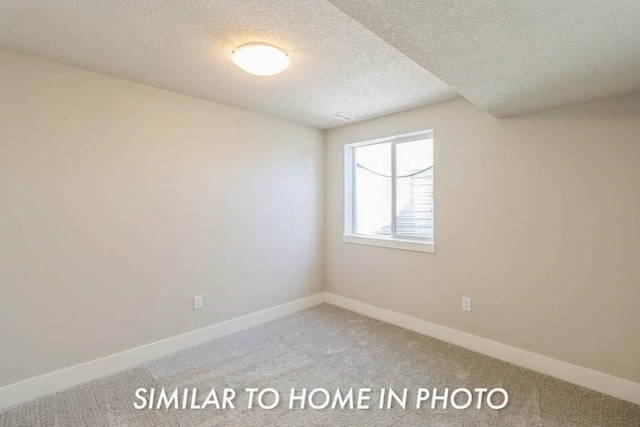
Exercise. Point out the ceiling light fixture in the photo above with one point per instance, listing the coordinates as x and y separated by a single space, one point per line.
261 59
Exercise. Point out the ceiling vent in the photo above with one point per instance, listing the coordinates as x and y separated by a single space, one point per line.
342 116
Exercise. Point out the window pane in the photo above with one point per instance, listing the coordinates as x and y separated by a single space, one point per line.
373 190
414 189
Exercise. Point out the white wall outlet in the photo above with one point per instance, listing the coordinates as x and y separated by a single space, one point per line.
197 302
466 303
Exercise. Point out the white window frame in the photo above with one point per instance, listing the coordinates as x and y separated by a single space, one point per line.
405 243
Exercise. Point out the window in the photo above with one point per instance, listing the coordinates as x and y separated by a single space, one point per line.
389 192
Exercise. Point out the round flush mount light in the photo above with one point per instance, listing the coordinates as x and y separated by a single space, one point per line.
261 59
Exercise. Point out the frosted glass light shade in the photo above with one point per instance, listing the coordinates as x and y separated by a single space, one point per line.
261 59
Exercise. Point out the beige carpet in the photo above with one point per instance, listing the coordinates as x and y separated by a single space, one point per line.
329 348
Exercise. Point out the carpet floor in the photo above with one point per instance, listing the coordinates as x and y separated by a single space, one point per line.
326 347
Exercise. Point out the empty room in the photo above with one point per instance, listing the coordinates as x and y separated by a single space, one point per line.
319 213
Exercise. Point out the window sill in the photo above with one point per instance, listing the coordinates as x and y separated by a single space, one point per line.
407 245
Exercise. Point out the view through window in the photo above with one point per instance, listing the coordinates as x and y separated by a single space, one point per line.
393 188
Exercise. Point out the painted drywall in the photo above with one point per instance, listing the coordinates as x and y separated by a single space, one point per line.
537 220
119 202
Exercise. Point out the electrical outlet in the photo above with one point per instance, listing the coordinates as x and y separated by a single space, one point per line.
466 303
197 302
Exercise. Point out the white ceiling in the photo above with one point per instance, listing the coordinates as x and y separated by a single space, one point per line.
366 58
185 46
515 56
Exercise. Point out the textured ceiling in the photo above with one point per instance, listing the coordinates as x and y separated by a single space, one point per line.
185 46
515 56
365 58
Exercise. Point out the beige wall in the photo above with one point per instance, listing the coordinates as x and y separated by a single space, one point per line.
119 202
537 219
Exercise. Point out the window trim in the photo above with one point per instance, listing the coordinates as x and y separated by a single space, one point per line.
393 243
404 242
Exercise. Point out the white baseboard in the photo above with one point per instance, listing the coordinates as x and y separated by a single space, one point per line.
13 394
49 383
598 381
